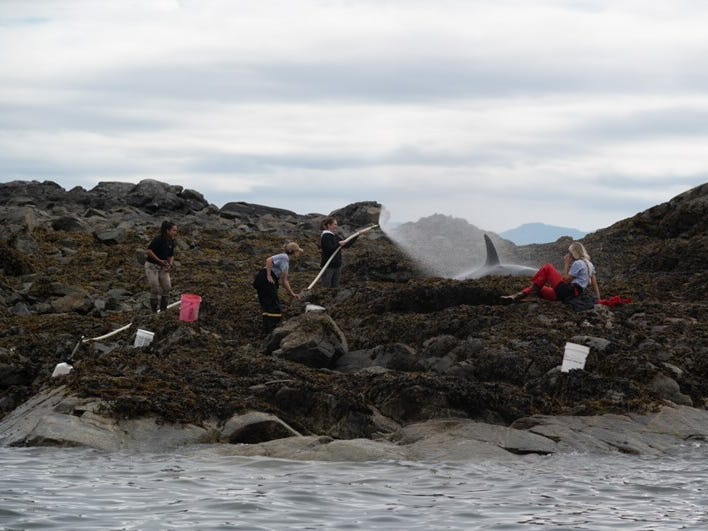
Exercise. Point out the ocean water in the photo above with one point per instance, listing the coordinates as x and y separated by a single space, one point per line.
201 488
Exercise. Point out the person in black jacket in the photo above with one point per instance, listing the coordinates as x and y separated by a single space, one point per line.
330 242
160 257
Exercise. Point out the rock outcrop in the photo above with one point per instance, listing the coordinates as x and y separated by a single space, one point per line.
399 363
54 417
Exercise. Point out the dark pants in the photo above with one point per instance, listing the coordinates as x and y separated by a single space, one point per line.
269 301
331 277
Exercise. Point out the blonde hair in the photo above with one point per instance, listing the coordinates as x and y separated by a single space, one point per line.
292 248
577 250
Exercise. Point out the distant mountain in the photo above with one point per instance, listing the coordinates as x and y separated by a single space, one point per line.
539 233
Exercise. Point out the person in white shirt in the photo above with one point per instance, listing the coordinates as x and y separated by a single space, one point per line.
268 280
577 277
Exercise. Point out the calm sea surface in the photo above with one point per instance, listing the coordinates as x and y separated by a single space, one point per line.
200 488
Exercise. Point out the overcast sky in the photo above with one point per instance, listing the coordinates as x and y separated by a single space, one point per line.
574 113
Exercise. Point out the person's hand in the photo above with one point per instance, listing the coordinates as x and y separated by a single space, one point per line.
351 241
270 278
297 296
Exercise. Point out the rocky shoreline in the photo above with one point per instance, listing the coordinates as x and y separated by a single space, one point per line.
401 364
55 417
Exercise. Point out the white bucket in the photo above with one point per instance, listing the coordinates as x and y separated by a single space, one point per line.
574 356
143 338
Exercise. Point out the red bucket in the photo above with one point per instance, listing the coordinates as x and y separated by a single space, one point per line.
189 307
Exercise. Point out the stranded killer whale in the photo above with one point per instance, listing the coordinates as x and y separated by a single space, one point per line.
492 266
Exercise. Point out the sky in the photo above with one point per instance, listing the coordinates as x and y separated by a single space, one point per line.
573 113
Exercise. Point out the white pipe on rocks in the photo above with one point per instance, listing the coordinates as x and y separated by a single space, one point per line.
109 334
118 330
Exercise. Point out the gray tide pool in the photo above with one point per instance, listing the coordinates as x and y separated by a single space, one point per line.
202 487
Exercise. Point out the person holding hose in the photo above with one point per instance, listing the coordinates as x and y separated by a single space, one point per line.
332 243
267 281
160 257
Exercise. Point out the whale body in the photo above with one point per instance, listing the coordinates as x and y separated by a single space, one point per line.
492 266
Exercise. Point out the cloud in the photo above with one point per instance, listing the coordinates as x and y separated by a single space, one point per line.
571 113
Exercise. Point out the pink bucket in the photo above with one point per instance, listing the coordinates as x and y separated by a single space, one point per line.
189 307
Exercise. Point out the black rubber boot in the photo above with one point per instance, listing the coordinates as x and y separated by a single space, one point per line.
163 304
270 323
153 305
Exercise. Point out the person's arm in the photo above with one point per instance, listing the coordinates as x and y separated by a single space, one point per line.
567 262
348 242
166 263
169 261
595 286
269 269
286 282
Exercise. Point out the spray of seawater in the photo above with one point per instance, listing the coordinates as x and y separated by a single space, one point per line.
442 246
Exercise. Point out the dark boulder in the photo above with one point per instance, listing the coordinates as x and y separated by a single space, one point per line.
161 198
19 193
358 215
249 212
312 339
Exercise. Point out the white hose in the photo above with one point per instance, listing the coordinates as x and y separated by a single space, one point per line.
118 330
324 268
109 334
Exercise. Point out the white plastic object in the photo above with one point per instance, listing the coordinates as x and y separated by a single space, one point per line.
574 356
61 369
143 338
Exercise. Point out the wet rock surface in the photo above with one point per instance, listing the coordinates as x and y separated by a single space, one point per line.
394 346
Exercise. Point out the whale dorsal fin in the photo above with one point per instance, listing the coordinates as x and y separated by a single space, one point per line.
492 256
